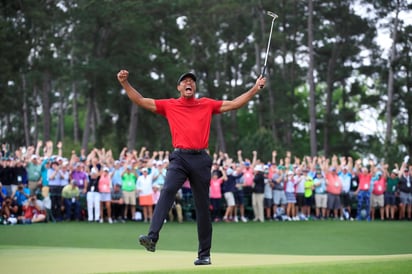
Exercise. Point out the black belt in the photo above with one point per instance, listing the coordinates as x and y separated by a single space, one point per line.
190 151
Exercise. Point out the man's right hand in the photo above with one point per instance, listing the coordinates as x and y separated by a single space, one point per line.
122 76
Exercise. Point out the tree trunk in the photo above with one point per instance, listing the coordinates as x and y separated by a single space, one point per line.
87 124
76 134
329 91
46 90
311 82
389 102
131 138
60 126
25 113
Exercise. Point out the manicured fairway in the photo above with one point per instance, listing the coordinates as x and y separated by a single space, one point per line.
272 247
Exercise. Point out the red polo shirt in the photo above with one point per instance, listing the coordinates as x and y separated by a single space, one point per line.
189 120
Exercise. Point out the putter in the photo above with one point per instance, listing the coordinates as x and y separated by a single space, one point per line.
274 15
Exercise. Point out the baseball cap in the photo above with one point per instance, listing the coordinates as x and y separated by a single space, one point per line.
187 74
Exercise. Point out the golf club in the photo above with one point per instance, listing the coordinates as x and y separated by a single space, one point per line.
274 15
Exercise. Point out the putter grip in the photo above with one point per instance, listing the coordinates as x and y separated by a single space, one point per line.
263 74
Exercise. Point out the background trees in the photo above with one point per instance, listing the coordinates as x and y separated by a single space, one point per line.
59 61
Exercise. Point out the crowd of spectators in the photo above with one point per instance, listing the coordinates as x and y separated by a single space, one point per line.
40 184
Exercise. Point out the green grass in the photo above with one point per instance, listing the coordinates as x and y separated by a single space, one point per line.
292 239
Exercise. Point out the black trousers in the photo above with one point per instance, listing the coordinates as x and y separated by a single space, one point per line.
196 167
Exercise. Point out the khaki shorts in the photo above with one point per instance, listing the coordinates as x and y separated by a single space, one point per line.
377 200
321 200
230 198
129 197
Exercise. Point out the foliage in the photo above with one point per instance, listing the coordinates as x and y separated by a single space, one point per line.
50 47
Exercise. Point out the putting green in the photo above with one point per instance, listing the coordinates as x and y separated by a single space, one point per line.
30 259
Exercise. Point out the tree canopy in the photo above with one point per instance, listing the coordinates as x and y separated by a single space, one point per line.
59 61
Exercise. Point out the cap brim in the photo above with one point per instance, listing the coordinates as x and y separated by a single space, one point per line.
184 75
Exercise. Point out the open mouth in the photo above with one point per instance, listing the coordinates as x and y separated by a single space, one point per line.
188 88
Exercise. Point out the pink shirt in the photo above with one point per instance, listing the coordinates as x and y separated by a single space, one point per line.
248 176
334 184
215 191
364 181
104 184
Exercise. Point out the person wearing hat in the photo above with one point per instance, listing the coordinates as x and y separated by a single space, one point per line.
405 193
33 168
104 186
189 121
70 196
144 187
129 178
390 194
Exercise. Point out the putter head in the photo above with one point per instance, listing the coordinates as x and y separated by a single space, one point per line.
272 14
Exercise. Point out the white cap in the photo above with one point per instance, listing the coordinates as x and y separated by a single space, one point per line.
259 168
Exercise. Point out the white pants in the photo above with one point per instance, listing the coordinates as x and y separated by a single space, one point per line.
93 202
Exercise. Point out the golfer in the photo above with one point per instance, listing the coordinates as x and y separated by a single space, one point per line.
189 121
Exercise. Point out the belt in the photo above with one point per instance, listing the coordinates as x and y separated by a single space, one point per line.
189 151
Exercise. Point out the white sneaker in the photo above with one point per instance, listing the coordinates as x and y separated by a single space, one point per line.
110 221
243 219
101 221
236 220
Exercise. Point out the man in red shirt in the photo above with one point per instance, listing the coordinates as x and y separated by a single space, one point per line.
189 121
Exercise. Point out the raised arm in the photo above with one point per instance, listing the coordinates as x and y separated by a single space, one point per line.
133 94
241 100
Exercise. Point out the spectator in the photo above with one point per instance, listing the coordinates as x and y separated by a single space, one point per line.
278 190
177 208
93 196
268 194
45 166
71 201
333 189
159 173
300 178
117 203
117 173
405 194
145 191
248 175
239 195
321 197
33 211
54 178
363 194
377 198
390 194
290 195
7 179
129 178
19 174
258 193
308 196
34 173
3 194
81 179
104 185
9 210
20 196
228 189
215 193
346 179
